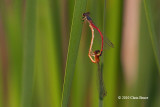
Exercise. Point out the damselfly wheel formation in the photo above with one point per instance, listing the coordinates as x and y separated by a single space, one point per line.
97 53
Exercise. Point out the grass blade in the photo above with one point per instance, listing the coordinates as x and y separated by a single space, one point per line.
74 42
102 91
29 47
0 84
152 32
13 16
112 65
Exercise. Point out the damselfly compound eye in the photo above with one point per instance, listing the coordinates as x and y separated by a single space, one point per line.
86 14
96 52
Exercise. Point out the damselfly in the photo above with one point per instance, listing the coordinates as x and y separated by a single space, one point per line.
96 54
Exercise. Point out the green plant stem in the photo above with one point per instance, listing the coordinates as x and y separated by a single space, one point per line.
74 42
100 86
102 91
29 48
152 33
100 103
100 67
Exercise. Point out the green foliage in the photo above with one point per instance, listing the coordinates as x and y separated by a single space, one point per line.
151 29
112 65
34 66
74 42
1 87
29 53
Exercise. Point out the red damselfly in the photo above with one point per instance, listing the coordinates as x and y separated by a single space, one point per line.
96 54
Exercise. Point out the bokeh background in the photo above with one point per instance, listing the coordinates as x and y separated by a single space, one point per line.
130 68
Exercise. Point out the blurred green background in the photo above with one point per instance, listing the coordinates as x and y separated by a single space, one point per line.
34 41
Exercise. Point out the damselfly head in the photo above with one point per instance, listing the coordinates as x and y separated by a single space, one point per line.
86 14
97 55
96 52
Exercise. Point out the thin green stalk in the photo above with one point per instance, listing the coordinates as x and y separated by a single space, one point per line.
1 103
100 67
100 103
102 91
28 58
152 32
100 86
74 42
104 17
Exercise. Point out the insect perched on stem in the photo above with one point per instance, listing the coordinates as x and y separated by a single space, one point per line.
97 53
